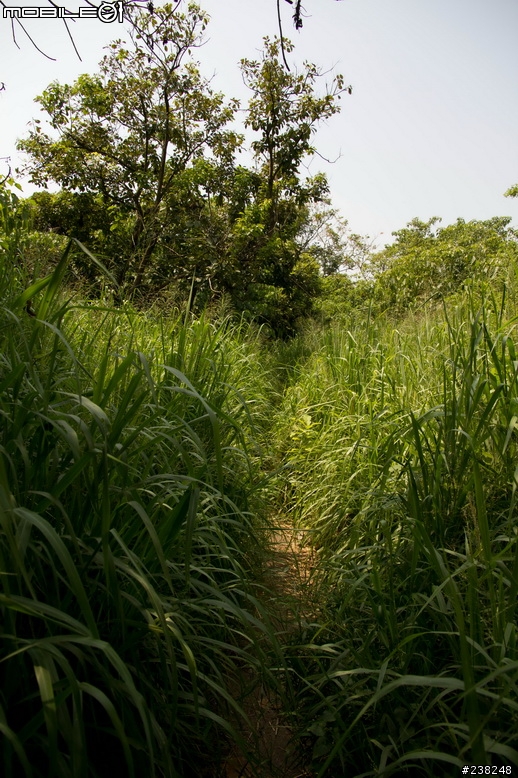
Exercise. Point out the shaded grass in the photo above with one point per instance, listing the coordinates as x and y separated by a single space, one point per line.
125 483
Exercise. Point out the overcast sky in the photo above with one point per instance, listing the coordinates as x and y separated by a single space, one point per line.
431 126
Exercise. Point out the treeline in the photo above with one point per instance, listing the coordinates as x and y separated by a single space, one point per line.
327 279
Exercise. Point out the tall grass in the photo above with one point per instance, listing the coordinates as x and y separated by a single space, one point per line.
402 446
125 527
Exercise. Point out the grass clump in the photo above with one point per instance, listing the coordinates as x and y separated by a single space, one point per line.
125 526
402 446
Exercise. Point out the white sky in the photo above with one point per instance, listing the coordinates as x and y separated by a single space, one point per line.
431 126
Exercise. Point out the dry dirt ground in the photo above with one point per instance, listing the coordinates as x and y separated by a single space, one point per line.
287 579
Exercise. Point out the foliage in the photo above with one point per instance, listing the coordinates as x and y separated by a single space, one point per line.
341 296
425 261
74 214
14 224
128 131
326 235
424 264
150 183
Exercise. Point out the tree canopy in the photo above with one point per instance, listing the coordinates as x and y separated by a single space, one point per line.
129 130
148 146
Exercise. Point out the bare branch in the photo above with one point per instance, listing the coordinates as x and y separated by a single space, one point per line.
281 33
71 39
129 6
13 19
331 161
7 160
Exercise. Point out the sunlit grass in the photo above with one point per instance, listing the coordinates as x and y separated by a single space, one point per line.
402 446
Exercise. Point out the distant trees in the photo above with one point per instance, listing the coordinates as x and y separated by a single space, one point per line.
426 261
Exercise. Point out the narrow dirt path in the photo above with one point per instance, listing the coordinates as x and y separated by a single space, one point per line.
287 581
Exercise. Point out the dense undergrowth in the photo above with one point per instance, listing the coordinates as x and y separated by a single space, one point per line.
139 455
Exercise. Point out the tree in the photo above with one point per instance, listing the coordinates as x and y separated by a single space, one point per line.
286 112
326 235
269 269
151 182
129 131
80 215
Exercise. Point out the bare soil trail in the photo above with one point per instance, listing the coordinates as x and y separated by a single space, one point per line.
286 582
